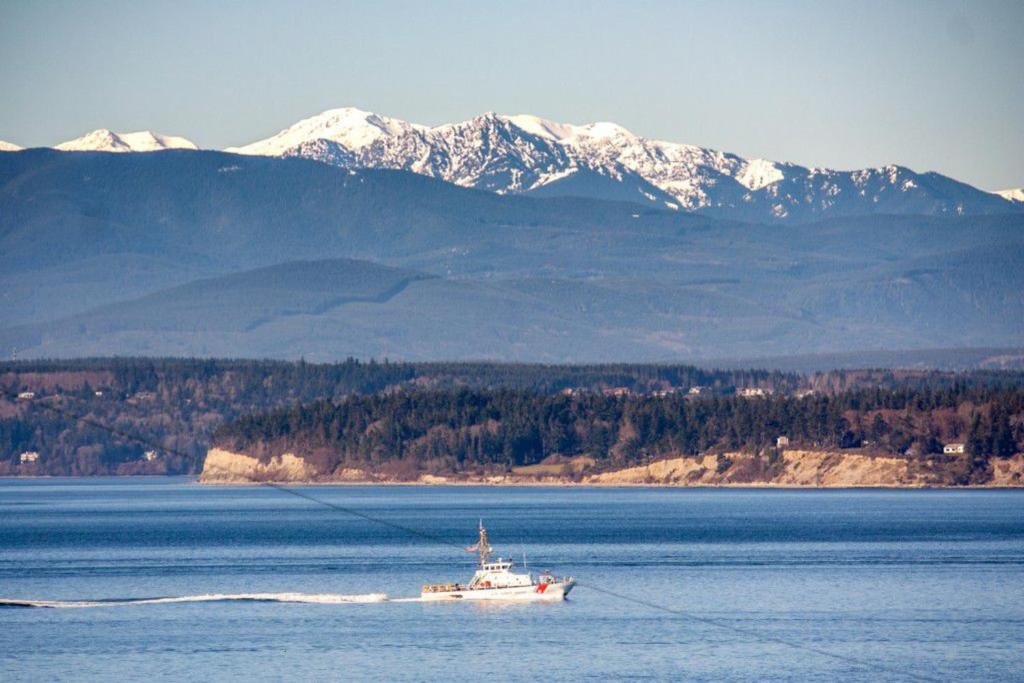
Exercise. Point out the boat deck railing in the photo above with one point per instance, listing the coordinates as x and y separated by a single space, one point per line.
441 587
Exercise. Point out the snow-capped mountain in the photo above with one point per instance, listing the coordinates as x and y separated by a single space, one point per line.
487 152
528 154
103 140
8 146
1012 195
353 128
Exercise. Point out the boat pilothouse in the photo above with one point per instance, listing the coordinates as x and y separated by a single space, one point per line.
495 580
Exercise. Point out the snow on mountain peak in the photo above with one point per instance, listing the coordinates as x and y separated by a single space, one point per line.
758 173
603 130
1015 194
526 153
8 146
148 141
543 128
98 140
353 128
566 132
103 140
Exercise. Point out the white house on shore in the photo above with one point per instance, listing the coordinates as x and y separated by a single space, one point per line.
29 456
953 448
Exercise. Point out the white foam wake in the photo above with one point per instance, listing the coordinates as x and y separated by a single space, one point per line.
315 598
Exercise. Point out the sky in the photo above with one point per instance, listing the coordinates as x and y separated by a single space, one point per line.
933 85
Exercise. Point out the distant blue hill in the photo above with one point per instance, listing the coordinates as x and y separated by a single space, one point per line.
209 253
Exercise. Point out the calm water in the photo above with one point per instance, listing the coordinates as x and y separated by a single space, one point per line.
929 583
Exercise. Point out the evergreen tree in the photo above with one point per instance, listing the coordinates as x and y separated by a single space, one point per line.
977 443
1003 443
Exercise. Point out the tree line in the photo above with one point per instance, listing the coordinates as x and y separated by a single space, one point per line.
176 405
450 431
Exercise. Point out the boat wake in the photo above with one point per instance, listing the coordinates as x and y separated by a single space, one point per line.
309 598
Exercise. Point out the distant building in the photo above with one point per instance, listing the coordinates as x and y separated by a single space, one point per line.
149 456
753 392
697 390
29 456
97 393
617 391
662 393
953 448
27 395
782 442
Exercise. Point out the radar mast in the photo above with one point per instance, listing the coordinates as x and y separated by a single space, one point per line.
482 547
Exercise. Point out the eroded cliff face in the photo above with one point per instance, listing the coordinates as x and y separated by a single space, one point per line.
1009 472
792 468
799 468
225 467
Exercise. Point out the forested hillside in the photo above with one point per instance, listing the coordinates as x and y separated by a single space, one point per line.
206 254
101 416
172 406
411 433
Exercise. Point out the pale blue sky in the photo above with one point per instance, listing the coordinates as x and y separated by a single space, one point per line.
931 85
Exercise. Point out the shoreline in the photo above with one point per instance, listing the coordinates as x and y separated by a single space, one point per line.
607 485
594 484
792 469
196 480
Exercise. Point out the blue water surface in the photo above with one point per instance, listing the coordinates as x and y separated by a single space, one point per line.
760 585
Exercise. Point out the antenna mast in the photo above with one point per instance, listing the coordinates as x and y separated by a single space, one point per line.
485 550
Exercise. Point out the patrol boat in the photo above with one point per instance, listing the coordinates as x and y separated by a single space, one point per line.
493 580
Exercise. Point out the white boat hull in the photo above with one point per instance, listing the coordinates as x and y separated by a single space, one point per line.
544 592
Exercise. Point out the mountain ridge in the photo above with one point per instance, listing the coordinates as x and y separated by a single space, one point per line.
104 140
98 250
524 154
